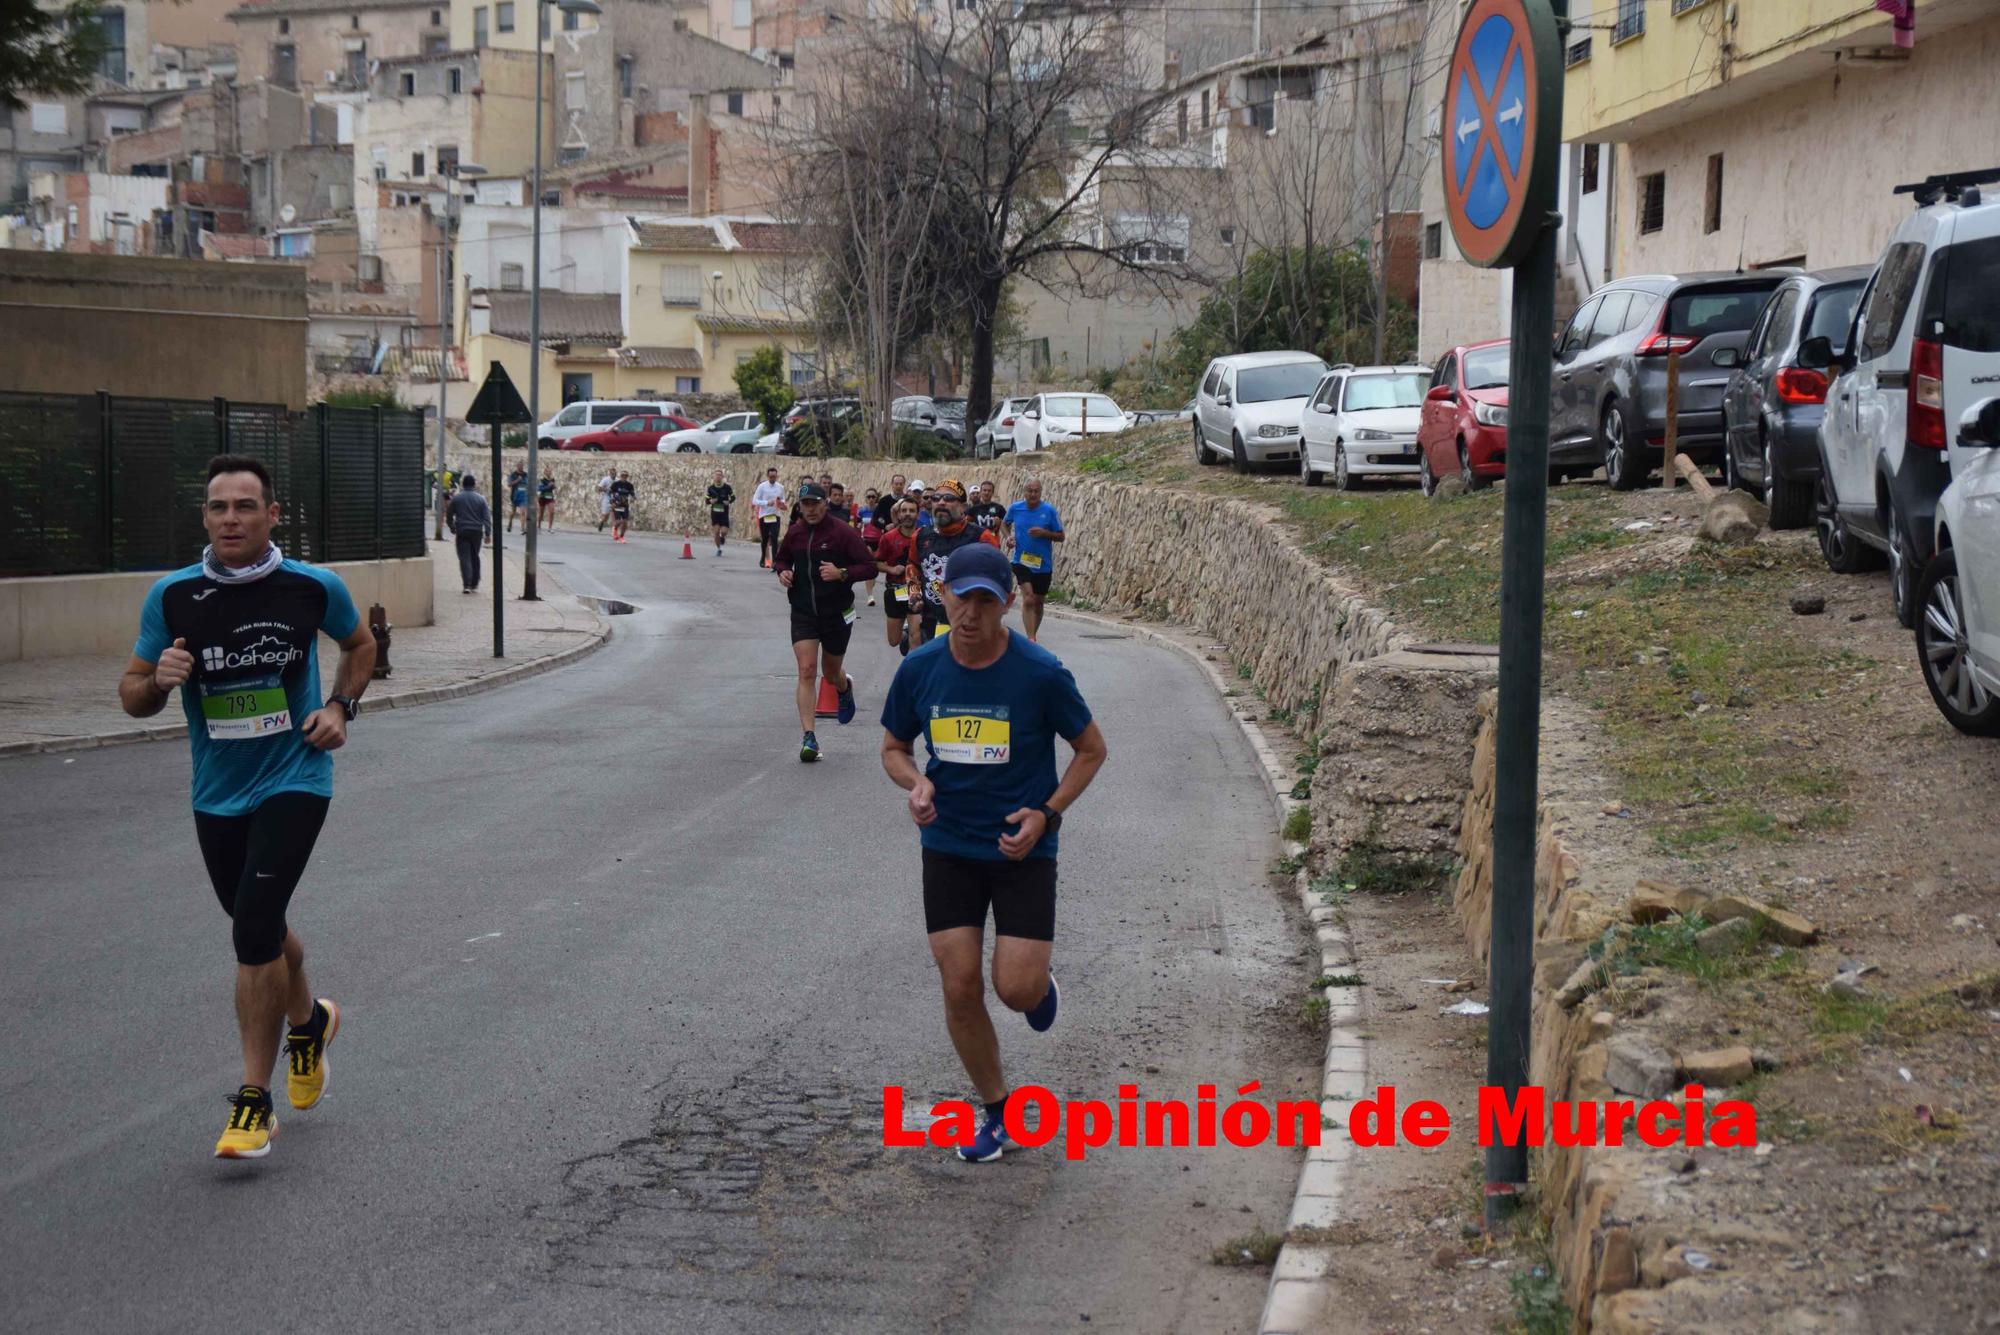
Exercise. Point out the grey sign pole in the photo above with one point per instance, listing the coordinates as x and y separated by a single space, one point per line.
1503 119
497 487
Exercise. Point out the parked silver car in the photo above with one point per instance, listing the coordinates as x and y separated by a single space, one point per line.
1248 407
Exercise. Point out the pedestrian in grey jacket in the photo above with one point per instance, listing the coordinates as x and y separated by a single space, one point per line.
469 518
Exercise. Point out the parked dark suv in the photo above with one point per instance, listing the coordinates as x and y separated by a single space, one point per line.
1608 402
817 426
1772 406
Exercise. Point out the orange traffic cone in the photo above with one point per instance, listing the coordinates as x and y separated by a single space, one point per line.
687 545
829 702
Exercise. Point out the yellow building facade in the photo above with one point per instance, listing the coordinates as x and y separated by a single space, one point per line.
1767 132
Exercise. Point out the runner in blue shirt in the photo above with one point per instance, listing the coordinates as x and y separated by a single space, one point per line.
1034 528
990 706
238 633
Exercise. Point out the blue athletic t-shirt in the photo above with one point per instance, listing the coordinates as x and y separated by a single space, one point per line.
255 679
991 734
1036 554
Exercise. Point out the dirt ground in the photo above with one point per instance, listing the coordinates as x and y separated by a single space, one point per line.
1732 745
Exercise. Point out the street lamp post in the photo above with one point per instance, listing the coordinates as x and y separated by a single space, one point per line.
444 316
535 295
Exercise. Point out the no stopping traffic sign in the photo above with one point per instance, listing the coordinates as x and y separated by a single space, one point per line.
1499 144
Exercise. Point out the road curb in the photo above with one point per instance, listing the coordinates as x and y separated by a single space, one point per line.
506 676
1297 1299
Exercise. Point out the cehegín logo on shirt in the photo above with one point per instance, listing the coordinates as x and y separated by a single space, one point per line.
267 652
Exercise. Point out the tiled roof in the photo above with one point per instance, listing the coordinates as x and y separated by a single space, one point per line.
236 245
272 7
567 317
767 236
677 236
747 324
624 163
660 359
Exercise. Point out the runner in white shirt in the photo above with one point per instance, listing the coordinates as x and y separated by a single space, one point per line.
769 503
604 497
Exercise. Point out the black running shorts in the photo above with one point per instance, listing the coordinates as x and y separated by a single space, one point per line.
255 862
831 629
719 518
1022 895
1038 580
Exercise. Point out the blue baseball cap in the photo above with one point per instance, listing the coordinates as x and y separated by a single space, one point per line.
979 565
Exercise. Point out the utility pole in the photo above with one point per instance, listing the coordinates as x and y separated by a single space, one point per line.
444 370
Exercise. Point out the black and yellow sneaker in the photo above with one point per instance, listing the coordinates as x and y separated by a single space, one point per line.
251 1125
305 1054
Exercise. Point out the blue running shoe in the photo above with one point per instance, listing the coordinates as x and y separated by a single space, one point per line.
809 748
846 698
1044 1013
988 1145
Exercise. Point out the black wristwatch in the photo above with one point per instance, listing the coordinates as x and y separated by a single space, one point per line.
348 705
1053 817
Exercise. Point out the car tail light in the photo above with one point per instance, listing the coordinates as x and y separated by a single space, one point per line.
1006 421
1927 394
1657 344
1799 384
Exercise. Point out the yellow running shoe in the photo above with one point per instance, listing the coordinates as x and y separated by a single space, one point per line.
305 1054
251 1126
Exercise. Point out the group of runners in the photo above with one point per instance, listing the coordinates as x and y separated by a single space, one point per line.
236 635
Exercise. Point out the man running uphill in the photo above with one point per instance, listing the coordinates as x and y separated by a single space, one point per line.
238 634
819 561
988 807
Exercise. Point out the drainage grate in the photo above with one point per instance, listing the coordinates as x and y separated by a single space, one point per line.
612 607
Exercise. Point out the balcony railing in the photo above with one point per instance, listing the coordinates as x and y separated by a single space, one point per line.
1631 21
1578 52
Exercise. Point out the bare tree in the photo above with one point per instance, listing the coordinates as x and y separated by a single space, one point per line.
1402 77
866 186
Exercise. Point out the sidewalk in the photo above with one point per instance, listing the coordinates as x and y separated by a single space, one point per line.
63 704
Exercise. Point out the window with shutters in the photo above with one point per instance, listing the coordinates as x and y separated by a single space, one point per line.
680 285
503 16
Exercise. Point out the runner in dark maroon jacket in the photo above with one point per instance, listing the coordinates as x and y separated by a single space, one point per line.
819 561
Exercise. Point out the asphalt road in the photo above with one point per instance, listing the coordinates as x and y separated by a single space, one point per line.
621 984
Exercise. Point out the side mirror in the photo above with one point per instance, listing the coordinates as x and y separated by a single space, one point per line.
1979 426
1322 407
1222 399
1439 394
1726 357
1816 354
1031 416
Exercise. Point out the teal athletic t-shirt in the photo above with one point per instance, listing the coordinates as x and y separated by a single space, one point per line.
991 734
255 679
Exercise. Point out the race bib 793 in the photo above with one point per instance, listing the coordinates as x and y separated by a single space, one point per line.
242 710
970 734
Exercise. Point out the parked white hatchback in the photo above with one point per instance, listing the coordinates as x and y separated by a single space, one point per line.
1362 422
1247 409
1050 418
732 433
1958 597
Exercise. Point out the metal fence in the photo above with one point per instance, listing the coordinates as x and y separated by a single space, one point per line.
95 482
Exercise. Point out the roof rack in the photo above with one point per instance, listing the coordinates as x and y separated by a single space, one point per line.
1949 185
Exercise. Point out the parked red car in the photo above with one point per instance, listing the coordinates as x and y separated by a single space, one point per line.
1463 428
634 434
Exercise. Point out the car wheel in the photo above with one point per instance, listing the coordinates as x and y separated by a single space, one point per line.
1342 480
1790 500
1945 655
1731 479
1201 451
688 449
1903 573
1426 480
1465 473
1238 461
547 444
1843 553
1310 475
593 449
1621 470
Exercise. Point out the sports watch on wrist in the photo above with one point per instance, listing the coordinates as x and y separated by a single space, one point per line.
348 705
1052 816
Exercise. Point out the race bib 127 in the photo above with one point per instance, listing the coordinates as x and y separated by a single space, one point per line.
970 734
